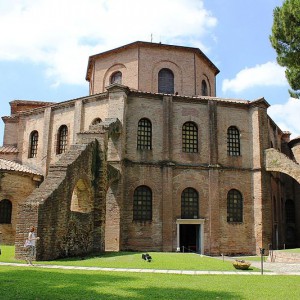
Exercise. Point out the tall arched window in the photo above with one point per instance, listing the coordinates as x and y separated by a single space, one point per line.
233 141
234 206
62 139
204 88
144 134
116 78
5 211
189 204
189 137
290 216
33 144
166 81
142 204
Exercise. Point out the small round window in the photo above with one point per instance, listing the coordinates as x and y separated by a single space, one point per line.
116 78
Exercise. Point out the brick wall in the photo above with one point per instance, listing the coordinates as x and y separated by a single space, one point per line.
15 187
64 232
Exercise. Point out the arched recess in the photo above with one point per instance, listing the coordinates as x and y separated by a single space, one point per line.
165 64
276 161
208 85
114 68
81 198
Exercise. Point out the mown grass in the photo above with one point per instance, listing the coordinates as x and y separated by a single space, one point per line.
296 250
37 283
132 260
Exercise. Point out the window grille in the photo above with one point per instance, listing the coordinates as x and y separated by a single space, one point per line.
234 206
142 204
189 204
144 135
34 137
233 141
62 139
189 137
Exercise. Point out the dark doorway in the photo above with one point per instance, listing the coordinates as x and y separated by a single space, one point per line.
189 238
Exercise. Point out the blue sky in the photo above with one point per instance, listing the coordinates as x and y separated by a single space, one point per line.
45 45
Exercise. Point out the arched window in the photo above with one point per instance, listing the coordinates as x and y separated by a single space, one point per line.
233 141
33 144
189 137
142 204
62 139
96 121
5 211
290 216
189 204
116 78
204 88
144 134
166 81
234 206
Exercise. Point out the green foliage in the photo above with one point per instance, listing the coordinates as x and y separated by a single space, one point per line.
285 39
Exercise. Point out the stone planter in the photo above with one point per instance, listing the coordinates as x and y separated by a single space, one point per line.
241 264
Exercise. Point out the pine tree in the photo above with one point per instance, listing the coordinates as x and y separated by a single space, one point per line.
285 39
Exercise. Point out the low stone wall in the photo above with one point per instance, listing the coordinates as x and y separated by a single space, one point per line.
286 257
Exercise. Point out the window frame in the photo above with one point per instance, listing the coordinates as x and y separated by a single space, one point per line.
235 206
204 88
142 204
62 139
190 142
116 77
189 203
166 81
33 144
233 141
144 134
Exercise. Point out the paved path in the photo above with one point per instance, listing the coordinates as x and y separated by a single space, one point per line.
274 268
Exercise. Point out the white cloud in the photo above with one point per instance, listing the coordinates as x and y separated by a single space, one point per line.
286 116
268 74
62 34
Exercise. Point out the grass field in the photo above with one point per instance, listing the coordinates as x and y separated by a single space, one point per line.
38 283
161 261
292 250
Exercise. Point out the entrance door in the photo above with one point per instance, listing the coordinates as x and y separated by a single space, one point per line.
189 237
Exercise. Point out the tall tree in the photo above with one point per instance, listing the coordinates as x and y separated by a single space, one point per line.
285 39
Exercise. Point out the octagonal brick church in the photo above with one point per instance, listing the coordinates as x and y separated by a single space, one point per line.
150 160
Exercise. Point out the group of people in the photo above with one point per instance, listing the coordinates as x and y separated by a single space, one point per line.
30 245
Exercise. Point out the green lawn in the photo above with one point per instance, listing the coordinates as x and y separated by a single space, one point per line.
296 250
36 283
161 260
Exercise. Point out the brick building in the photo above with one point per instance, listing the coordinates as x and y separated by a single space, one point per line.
150 160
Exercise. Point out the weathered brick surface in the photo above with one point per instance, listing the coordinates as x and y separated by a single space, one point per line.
78 200
64 232
16 187
141 63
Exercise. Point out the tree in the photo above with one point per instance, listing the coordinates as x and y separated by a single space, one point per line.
285 39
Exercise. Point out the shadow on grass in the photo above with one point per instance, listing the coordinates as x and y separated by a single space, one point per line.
43 284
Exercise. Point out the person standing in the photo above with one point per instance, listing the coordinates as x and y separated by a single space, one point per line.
32 243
